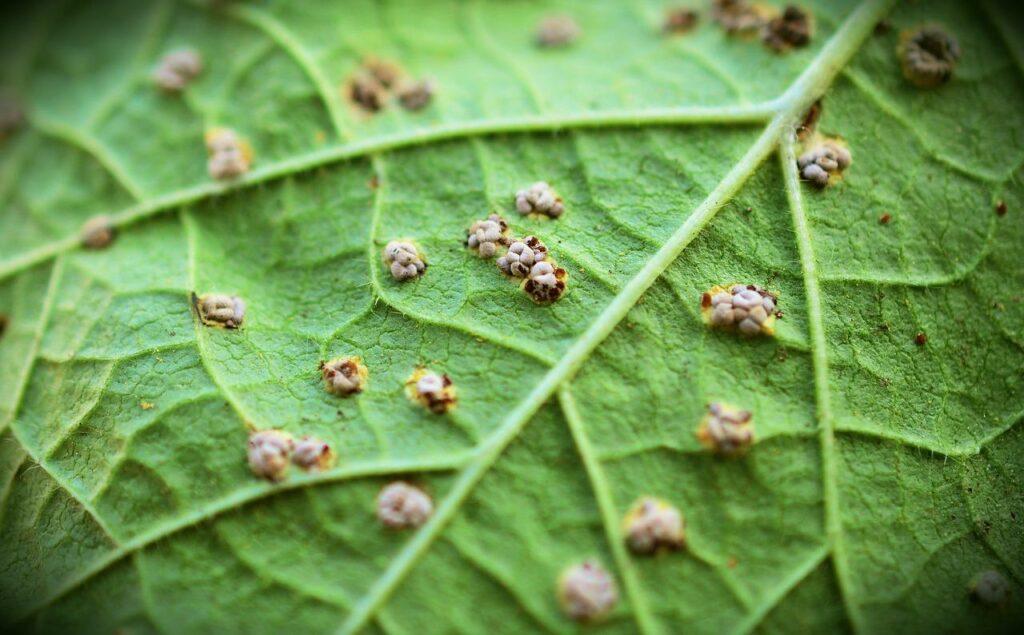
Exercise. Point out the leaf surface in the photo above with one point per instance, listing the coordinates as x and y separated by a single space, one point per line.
885 474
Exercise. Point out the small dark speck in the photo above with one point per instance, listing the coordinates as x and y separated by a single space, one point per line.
920 339
1001 208
172 333
883 27
883 327
885 218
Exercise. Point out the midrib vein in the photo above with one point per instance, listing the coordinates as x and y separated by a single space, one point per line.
805 90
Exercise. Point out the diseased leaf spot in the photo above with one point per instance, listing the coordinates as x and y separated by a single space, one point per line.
679 21
587 591
726 430
404 259
521 256
433 391
217 309
97 232
557 31
387 73
545 282
791 29
344 376
748 309
269 453
928 56
484 236
313 455
653 525
990 588
738 16
539 198
177 69
366 91
229 154
403 506
823 162
415 94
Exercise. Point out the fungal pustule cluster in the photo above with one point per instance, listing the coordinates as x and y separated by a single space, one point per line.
539 198
726 430
545 282
97 232
271 452
484 236
521 256
372 85
779 31
587 591
652 525
403 506
218 309
749 309
822 161
404 260
989 587
229 154
790 29
177 69
434 391
557 31
928 56
344 376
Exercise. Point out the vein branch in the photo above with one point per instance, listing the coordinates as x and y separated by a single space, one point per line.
606 505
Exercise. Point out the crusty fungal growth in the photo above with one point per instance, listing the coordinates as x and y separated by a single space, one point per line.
404 259
366 91
679 21
749 309
557 31
989 587
177 69
415 94
790 29
653 525
484 236
269 453
313 455
344 376
539 198
737 16
229 154
928 56
822 161
97 232
387 73
587 591
545 283
11 115
521 256
726 430
218 309
401 506
433 391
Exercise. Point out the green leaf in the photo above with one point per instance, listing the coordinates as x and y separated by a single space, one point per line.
886 473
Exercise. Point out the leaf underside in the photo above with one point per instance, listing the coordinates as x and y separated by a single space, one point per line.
886 474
